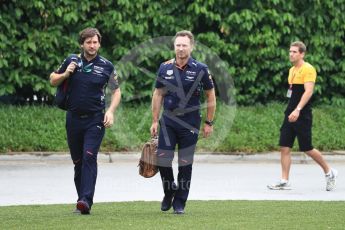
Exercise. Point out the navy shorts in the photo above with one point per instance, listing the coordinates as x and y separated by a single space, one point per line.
300 129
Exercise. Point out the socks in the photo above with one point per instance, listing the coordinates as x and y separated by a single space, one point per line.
329 173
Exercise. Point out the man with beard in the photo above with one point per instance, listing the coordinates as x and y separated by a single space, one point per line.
88 75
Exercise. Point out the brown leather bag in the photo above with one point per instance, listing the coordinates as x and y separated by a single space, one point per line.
148 160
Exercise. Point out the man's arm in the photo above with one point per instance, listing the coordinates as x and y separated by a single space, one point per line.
211 109
308 92
109 114
57 78
157 99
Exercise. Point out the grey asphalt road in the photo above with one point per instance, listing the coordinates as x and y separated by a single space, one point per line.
38 179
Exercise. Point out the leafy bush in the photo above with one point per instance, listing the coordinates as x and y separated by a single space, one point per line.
252 37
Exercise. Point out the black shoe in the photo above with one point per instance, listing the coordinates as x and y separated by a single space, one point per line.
83 207
179 211
167 202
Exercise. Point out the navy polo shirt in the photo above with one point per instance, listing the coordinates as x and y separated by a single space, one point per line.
183 85
88 83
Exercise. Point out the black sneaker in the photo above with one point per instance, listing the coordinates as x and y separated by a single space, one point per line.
83 207
167 202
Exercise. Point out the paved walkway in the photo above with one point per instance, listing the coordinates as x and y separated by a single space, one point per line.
48 179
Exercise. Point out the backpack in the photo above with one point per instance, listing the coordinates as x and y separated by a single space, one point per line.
62 94
63 90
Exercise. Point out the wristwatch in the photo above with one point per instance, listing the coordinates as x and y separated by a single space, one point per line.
209 122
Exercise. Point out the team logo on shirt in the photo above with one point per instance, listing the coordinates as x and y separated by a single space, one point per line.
170 74
191 73
190 78
98 70
87 68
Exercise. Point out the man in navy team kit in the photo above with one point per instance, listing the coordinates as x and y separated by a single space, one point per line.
88 75
179 85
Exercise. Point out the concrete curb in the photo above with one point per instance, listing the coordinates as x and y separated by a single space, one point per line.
116 157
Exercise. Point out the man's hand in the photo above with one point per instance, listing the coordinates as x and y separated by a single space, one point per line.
154 129
294 116
207 131
108 119
56 78
70 69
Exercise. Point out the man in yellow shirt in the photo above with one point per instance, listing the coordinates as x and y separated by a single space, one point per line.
298 119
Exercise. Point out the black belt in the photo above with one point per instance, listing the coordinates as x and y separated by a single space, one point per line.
183 111
180 121
86 115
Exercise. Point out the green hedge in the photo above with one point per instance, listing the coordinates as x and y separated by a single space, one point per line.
252 37
245 129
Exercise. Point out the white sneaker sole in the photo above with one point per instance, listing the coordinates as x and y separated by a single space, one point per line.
278 188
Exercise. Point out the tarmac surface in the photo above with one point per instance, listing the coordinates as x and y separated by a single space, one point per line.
43 178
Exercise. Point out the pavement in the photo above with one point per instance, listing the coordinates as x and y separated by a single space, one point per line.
47 178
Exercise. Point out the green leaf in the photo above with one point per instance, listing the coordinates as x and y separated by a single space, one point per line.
32 46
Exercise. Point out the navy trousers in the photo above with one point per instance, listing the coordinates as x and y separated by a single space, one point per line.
84 135
182 132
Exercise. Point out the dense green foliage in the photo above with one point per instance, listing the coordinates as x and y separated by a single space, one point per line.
245 129
252 37
199 215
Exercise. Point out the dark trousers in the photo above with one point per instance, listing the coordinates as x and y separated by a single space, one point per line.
177 132
84 136
181 190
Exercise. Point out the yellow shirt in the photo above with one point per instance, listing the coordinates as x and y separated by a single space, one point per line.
306 73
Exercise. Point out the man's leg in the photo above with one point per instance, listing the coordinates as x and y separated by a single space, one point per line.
318 158
187 140
285 160
75 143
286 140
165 156
304 136
331 174
92 141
